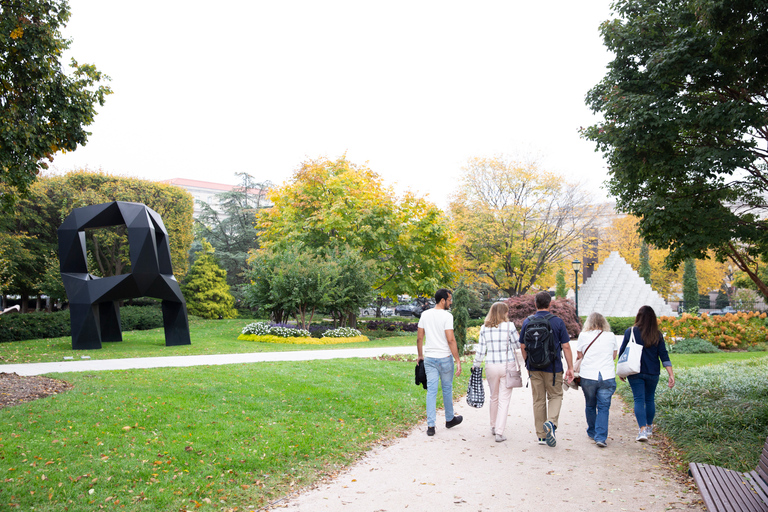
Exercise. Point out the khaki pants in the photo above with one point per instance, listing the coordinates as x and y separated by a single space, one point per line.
547 399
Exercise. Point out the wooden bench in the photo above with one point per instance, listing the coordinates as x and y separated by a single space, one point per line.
724 490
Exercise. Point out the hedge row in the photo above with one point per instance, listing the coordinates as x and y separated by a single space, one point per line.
30 326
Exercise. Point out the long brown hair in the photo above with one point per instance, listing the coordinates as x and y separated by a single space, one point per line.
648 325
497 314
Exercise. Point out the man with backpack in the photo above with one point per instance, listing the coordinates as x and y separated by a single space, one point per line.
543 339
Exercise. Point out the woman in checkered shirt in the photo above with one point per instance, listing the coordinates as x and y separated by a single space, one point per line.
496 345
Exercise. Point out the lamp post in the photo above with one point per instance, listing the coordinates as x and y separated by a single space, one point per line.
576 267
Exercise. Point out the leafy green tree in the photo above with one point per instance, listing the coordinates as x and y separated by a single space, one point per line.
291 281
332 204
645 263
685 130
561 288
690 287
230 228
461 301
43 109
351 287
205 287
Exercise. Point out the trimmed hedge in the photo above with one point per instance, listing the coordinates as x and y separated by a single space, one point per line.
30 326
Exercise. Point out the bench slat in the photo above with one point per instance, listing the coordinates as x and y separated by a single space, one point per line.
758 484
726 490
702 479
734 491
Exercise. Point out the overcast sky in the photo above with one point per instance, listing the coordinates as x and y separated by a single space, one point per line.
204 90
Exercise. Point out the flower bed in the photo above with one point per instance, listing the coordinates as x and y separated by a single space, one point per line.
265 333
301 341
739 330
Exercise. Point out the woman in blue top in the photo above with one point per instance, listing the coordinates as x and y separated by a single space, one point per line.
643 384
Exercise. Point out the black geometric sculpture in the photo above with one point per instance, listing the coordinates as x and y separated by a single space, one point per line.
93 301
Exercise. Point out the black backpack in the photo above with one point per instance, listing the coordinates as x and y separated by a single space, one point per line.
539 342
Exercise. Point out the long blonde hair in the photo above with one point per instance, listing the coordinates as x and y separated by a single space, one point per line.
497 314
596 322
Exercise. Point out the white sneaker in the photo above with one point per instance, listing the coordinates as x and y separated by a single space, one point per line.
493 431
648 431
641 436
500 438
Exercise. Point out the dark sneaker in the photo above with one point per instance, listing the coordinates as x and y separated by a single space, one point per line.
601 444
430 431
549 428
455 421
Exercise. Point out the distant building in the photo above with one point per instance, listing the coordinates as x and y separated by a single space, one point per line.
206 191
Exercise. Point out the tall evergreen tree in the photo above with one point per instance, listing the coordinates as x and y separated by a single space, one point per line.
561 288
205 287
645 263
461 300
229 228
690 287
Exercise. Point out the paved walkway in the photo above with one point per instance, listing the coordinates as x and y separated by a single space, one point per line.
88 365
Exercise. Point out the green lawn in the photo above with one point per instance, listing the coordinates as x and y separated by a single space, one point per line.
208 337
229 437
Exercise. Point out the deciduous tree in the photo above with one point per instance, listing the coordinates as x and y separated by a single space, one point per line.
515 221
686 125
333 204
43 109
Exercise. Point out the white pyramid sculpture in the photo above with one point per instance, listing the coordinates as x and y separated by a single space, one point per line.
615 289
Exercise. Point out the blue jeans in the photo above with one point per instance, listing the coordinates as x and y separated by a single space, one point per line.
439 370
644 392
597 395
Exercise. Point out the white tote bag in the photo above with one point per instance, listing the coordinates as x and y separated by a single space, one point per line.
629 360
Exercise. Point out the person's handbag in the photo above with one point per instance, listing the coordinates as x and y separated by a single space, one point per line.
576 382
475 391
513 377
629 360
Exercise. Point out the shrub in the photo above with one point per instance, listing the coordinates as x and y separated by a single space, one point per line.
389 325
739 330
692 346
473 335
619 324
18 327
523 306
31 326
342 332
279 330
141 318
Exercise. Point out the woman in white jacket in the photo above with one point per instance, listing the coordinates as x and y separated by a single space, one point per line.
597 348
496 345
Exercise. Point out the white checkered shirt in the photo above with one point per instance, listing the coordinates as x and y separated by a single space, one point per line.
497 344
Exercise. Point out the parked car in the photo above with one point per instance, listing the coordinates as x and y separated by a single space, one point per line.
414 308
371 311
406 309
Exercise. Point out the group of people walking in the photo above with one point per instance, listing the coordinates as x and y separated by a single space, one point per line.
543 341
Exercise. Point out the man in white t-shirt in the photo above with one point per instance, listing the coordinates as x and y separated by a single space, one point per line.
436 326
